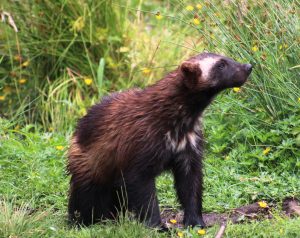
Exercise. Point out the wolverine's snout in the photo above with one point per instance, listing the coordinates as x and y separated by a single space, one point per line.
248 68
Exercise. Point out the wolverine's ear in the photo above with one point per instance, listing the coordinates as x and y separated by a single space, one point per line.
191 72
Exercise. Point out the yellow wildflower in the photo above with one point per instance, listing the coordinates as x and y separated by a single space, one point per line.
180 234
266 151
25 64
298 99
201 232
88 81
262 204
146 71
189 8
199 6
59 147
78 24
22 81
173 221
123 49
236 89
196 21
158 16
255 48
2 98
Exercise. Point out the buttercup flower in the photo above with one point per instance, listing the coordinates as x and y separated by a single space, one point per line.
262 204
255 48
189 8
196 21
236 89
199 6
22 81
201 232
173 221
59 147
146 71
88 81
180 234
2 98
266 151
25 64
158 16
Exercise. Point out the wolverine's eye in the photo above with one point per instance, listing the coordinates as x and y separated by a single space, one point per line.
222 65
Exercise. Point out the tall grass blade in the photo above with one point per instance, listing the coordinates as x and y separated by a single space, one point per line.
100 76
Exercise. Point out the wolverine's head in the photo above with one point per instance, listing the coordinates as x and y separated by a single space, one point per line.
211 71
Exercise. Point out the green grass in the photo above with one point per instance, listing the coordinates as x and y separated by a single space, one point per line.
34 185
16 221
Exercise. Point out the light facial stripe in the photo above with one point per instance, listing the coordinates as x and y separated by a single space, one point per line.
206 64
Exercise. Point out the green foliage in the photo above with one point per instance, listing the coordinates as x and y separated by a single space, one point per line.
21 221
252 138
50 66
33 161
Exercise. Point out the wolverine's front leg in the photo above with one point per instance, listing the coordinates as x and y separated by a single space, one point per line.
142 199
188 176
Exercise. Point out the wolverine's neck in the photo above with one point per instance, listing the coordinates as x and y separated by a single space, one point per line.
174 103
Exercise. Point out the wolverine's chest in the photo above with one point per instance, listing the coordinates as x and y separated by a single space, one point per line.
177 140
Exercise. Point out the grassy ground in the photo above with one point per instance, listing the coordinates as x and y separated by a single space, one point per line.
57 65
34 185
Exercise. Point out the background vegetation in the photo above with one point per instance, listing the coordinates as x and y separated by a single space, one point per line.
67 54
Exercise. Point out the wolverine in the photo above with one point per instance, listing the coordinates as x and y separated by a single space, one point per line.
131 137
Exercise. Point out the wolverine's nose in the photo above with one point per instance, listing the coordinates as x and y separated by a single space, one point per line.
248 68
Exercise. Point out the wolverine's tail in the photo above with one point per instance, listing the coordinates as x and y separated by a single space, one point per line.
89 200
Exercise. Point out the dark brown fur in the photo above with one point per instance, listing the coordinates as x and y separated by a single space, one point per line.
128 139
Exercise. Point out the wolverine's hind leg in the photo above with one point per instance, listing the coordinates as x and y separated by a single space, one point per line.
89 203
89 200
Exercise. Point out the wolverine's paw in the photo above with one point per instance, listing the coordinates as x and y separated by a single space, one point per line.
194 221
